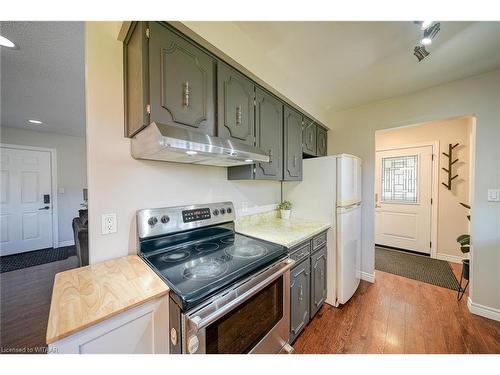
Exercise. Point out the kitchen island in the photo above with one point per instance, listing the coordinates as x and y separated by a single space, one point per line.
109 307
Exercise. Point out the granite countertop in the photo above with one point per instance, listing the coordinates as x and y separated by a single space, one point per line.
85 296
270 227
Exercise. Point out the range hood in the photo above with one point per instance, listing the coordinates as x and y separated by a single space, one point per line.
168 143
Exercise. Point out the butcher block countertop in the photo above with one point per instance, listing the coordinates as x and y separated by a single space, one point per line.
88 295
270 227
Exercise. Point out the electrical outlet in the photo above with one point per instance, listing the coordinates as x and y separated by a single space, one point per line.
493 195
108 223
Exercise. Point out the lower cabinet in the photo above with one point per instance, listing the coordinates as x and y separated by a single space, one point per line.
308 285
299 298
140 330
318 280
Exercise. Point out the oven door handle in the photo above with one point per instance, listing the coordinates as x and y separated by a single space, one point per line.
200 321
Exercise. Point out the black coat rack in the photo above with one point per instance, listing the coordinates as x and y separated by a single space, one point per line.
449 155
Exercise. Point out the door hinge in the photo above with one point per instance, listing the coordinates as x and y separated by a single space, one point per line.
148 109
148 33
432 157
430 244
431 201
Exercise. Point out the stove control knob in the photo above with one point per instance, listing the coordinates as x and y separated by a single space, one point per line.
193 344
152 221
222 211
173 336
215 212
229 210
165 219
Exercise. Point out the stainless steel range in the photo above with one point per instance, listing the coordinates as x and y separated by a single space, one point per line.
229 292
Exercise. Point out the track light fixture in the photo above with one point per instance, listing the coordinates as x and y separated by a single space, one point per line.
430 30
420 52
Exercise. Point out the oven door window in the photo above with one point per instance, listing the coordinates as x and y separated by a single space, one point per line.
242 328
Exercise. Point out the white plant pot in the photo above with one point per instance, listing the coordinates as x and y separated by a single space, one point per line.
285 214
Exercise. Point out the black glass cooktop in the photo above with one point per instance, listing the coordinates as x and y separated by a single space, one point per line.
202 262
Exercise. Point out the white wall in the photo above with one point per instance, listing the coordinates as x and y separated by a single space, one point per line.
118 183
452 217
354 132
71 170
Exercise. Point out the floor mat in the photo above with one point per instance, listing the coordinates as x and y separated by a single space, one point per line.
416 267
34 258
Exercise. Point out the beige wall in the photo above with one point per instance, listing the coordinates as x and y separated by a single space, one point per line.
451 220
71 171
354 132
118 183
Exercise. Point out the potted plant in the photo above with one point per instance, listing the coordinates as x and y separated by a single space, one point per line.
285 208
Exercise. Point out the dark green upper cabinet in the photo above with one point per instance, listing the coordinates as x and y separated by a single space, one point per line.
269 126
235 96
181 82
321 142
292 144
170 79
309 137
269 138
136 76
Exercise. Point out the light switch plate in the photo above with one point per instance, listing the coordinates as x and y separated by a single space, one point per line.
108 223
493 195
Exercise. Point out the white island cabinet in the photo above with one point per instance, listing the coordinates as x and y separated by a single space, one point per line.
115 307
141 330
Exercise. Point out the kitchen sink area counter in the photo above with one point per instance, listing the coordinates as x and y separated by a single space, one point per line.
86 296
270 227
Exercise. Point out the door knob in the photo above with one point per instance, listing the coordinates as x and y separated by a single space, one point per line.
44 208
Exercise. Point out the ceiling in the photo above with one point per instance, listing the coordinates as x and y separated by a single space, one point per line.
340 65
44 78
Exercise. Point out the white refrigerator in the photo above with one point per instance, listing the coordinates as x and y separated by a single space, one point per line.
330 191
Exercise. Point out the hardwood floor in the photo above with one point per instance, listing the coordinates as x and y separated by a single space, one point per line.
24 305
400 315
394 315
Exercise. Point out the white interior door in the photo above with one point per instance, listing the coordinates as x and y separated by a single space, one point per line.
403 192
25 220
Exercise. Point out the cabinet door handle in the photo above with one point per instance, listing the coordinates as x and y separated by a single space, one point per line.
185 94
310 137
238 115
270 156
300 293
322 275
295 162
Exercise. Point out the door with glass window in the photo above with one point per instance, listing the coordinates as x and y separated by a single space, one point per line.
403 192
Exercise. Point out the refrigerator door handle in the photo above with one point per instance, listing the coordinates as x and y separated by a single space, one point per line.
352 205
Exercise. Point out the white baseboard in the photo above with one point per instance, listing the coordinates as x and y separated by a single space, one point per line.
487 312
66 243
370 277
450 258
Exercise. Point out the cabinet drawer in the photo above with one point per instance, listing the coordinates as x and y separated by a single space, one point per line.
300 252
319 241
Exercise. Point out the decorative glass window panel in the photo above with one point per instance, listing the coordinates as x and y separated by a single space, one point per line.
400 179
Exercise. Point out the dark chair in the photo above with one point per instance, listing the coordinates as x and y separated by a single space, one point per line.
81 234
